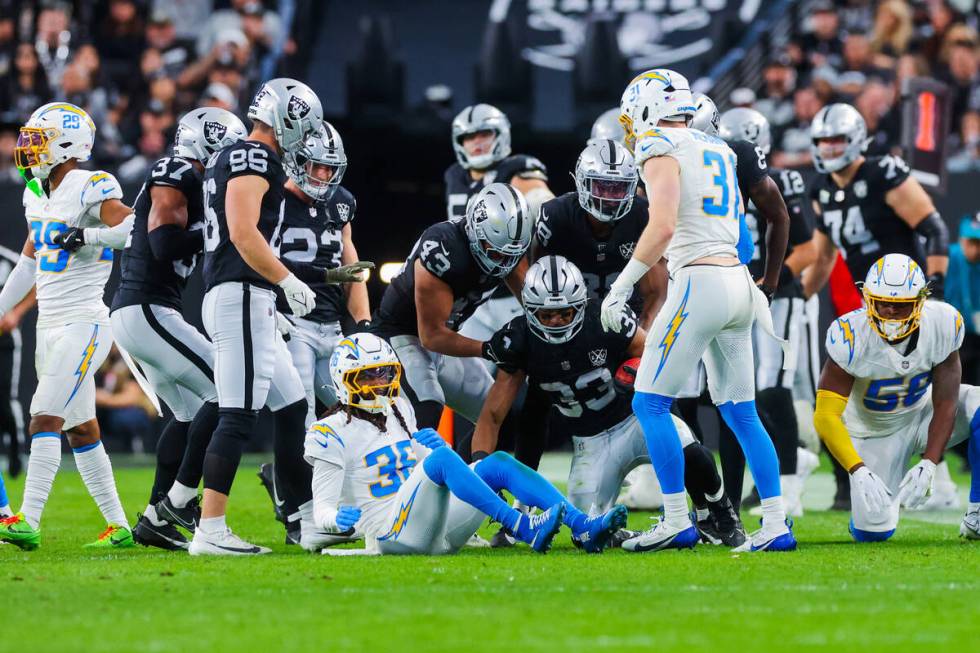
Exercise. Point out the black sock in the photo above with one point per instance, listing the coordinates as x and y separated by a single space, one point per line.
779 417
687 409
732 463
202 427
294 476
700 474
170 453
224 452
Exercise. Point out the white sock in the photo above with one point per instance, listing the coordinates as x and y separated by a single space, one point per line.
151 514
973 506
180 494
306 519
773 513
675 510
42 466
702 514
5 511
96 470
212 524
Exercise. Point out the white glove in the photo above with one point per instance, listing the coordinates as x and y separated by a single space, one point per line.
283 325
614 308
299 296
916 487
872 489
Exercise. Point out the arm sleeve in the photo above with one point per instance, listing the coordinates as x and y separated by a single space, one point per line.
934 230
19 283
170 242
328 484
827 419
114 237
306 272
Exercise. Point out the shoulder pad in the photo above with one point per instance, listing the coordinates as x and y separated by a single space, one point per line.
522 165
99 187
948 322
325 430
842 339
439 248
655 142
345 205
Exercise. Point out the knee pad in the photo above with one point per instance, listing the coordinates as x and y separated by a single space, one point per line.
868 536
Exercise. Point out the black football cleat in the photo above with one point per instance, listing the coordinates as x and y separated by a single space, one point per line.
267 476
722 525
293 532
502 539
165 536
186 517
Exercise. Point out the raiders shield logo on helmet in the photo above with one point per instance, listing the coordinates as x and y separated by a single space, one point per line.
214 132
297 108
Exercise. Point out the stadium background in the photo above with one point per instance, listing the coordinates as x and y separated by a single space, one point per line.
392 75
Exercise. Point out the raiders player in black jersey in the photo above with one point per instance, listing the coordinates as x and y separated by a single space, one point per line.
774 376
560 346
243 196
868 206
317 246
453 268
147 323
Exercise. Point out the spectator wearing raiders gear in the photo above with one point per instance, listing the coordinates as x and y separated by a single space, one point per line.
452 269
161 253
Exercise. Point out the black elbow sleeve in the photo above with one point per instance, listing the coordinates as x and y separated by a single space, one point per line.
934 230
169 242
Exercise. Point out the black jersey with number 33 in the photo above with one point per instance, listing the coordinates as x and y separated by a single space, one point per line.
222 262
143 278
313 234
577 376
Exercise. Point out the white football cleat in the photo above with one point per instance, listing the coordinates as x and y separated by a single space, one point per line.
970 526
779 538
664 536
224 543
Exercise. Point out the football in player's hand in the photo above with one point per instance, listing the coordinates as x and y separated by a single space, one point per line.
626 375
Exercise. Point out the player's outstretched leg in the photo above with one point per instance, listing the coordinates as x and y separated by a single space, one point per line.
501 471
675 530
760 454
444 467
970 528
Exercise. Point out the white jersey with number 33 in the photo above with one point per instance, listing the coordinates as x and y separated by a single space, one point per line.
70 286
710 203
891 384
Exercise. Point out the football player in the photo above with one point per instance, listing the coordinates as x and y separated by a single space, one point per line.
244 187
407 492
452 269
560 347
74 217
775 372
178 361
317 246
711 303
889 390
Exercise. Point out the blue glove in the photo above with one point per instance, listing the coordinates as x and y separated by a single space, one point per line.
429 438
347 516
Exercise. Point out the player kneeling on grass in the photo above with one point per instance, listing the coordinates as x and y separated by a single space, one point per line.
891 389
560 346
405 490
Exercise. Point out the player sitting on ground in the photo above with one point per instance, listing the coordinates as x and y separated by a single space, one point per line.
560 345
890 389
366 476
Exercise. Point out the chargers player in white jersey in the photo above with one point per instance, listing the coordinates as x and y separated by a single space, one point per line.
68 257
405 490
889 390
711 304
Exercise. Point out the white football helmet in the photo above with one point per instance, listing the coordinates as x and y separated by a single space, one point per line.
838 120
498 226
55 133
204 131
366 373
554 283
707 117
895 279
477 118
653 96
291 109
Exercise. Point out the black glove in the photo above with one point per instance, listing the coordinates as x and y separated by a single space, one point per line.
71 239
768 291
937 286
362 326
498 350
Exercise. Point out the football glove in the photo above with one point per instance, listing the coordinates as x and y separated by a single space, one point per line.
615 309
498 350
429 438
299 296
875 494
347 516
348 273
916 487
71 239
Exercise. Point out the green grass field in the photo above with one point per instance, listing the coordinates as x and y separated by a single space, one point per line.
920 591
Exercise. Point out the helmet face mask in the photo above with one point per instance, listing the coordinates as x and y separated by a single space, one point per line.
366 373
832 122
605 180
554 297
472 121
498 227
895 292
55 133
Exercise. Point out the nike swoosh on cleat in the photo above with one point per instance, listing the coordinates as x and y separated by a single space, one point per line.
251 549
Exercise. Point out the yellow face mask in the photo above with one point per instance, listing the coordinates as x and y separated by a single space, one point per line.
630 139
374 387
32 147
890 327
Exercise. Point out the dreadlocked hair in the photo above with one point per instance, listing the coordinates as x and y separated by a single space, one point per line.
375 419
